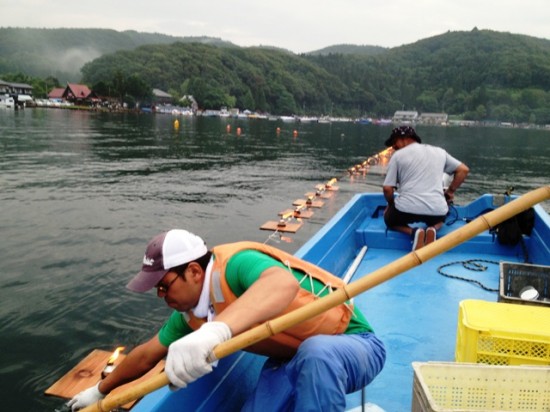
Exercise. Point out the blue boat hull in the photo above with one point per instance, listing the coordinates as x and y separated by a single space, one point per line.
415 313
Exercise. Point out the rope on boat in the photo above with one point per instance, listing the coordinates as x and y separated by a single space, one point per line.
474 265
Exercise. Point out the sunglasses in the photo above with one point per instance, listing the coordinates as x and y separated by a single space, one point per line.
162 289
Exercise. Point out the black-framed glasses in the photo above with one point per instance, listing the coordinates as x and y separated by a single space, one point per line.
162 289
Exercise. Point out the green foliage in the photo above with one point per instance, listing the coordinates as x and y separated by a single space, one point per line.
127 89
254 78
481 74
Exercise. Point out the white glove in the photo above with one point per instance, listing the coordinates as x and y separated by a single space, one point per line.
86 397
188 357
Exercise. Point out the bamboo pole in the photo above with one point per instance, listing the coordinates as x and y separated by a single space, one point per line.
277 325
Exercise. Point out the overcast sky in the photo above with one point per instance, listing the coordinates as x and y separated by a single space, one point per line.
296 25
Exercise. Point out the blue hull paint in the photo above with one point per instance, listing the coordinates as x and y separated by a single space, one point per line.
415 313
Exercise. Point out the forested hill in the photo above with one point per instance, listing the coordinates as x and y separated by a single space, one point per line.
479 75
62 52
255 78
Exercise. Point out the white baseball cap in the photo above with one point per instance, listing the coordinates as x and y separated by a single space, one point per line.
165 251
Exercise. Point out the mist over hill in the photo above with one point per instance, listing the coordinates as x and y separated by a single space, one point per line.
61 53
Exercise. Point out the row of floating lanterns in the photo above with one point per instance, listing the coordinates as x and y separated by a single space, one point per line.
291 220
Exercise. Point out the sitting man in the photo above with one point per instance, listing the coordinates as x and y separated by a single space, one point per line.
416 171
221 293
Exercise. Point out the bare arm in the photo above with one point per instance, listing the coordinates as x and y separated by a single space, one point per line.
388 193
458 178
265 299
136 364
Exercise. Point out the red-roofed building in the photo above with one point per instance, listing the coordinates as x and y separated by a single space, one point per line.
56 94
79 94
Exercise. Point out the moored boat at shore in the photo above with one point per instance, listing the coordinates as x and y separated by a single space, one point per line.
7 102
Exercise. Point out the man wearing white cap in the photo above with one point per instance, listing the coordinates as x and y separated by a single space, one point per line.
221 293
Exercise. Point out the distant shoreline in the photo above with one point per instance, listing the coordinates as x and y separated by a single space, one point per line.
292 119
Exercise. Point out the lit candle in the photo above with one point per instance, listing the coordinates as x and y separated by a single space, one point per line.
110 366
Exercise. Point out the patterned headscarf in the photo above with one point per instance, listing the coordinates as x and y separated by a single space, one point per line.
402 131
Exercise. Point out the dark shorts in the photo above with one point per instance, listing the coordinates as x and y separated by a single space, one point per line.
394 217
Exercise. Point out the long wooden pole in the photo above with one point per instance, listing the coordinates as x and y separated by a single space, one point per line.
272 327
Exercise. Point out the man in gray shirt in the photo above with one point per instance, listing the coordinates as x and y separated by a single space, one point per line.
416 171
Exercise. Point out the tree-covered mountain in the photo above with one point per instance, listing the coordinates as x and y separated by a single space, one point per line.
62 52
479 74
255 78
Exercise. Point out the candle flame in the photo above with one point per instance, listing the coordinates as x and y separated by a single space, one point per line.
386 152
287 215
383 157
115 354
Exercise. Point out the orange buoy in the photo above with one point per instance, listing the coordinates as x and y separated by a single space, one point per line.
176 124
295 133
278 130
228 128
238 131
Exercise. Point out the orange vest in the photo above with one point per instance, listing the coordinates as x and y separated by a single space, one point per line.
284 344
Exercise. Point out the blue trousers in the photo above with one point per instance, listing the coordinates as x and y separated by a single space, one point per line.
318 377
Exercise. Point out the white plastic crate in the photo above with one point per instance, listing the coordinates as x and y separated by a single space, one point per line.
465 387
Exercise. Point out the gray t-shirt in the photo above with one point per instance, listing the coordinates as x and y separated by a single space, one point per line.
417 172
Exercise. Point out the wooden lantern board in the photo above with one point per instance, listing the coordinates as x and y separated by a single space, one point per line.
88 372
324 195
289 227
304 214
314 203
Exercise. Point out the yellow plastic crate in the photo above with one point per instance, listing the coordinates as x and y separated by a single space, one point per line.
502 333
465 387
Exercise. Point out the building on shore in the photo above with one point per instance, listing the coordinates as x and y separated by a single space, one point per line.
21 93
435 119
79 94
404 117
161 97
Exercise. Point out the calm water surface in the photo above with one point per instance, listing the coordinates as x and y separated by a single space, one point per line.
82 193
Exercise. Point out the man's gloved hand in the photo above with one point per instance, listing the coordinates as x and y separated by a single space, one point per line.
188 357
86 397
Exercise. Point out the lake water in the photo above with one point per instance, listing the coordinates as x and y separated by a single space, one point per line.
82 193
